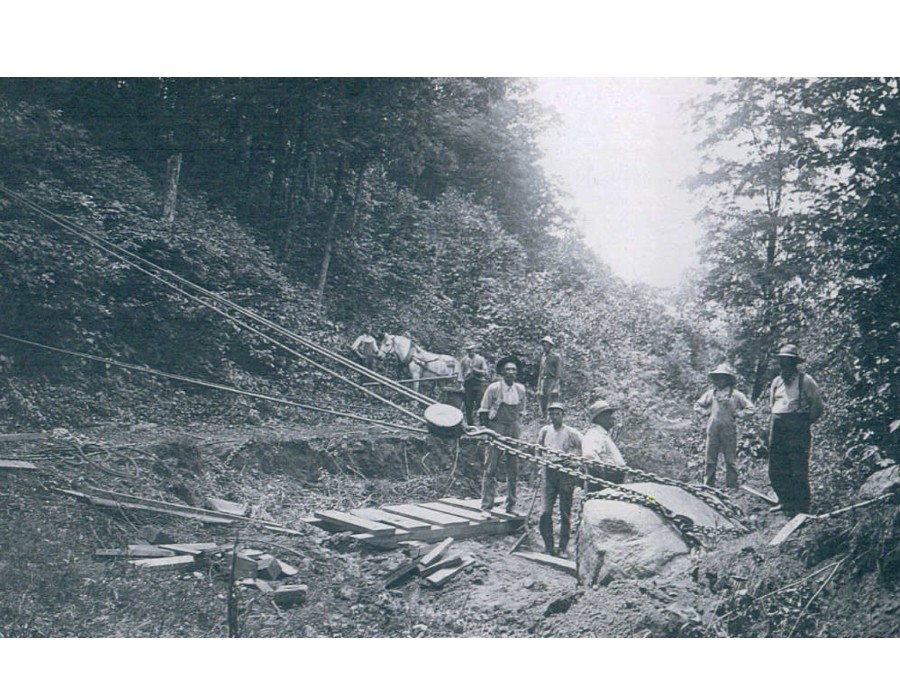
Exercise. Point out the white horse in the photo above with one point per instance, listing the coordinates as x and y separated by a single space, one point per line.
422 365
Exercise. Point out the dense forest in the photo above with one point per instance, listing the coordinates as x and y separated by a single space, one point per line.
419 206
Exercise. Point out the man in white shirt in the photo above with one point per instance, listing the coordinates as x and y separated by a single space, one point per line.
796 403
557 437
599 446
504 404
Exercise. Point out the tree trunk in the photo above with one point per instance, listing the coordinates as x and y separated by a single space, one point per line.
173 172
329 234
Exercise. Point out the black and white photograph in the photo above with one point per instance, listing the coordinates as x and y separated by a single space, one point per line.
448 357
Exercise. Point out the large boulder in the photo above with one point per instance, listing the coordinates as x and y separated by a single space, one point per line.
880 483
624 540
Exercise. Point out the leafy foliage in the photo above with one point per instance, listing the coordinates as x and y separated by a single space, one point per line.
802 228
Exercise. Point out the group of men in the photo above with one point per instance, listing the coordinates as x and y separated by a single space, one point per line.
502 407
795 403
475 377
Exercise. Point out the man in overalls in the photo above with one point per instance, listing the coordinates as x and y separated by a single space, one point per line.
503 405
796 403
723 403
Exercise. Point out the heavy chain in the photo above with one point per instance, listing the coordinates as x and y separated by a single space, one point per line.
714 498
558 460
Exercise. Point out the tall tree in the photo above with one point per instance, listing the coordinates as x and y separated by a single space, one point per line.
759 185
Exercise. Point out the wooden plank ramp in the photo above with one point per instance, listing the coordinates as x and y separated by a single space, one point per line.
393 524
431 516
567 566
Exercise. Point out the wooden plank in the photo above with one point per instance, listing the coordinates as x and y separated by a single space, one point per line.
399 574
11 464
470 514
384 517
800 519
441 577
443 563
148 551
244 567
164 562
434 554
476 504
761 495
290 594
286 569
189 548
356 523
219 505
268 568
493 527
789 528
432 517
559 563
110 552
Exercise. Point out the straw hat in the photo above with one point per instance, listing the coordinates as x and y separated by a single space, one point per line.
790 350
724 369
599 407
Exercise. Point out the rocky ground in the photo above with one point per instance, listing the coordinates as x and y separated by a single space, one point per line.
52 585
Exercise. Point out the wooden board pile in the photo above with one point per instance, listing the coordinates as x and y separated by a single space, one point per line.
391 525
434 564
250 567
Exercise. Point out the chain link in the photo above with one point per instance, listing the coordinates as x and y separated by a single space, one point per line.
578 466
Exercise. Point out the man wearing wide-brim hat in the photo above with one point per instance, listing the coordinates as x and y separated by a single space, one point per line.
796 403
597 445
724 403
503 404
549 374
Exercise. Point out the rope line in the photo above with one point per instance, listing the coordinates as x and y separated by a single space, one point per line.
210 384
138 263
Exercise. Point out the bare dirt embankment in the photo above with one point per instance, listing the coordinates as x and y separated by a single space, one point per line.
52 585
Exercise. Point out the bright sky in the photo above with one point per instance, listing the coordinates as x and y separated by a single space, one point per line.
622 152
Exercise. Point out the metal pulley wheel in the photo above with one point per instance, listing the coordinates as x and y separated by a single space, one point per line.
444 420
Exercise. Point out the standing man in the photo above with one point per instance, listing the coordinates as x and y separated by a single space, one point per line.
597 445
723 403
796 403
503 403
366 348
558 437
549 375
474 376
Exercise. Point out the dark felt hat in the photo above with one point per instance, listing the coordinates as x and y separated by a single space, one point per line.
506 360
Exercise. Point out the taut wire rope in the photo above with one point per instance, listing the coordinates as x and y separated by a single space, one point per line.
210 384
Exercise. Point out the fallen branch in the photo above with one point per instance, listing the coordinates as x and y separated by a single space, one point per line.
121 501
815 595
782 589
